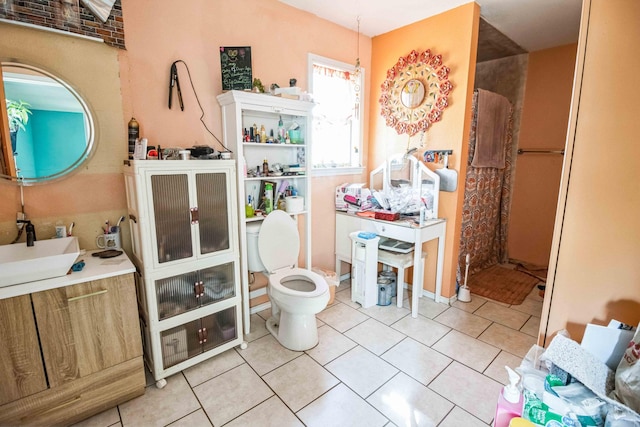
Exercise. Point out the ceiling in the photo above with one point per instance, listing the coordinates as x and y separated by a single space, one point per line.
531 24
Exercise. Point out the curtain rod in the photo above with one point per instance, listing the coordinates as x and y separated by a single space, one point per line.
524 151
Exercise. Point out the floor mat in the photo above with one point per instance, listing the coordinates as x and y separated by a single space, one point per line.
534 270
502 284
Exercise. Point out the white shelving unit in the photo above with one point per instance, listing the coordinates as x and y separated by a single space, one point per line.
240 111
185 246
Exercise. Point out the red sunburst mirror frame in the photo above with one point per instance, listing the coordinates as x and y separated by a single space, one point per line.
415 92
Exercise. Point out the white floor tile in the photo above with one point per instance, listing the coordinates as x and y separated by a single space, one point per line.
503 315
331 344
197 418
151 409
496 369
421 329
341 317
210 368
468 389
515 342
231 394
466 350
464 322
375 336
386 314
266 354
361 370
270 413
341 407
406 402
300 381
459 417
417 360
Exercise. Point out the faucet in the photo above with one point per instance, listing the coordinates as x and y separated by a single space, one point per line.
31 231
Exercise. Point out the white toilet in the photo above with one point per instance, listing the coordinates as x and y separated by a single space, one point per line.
296 294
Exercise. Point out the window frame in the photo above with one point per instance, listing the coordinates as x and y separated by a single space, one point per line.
328 62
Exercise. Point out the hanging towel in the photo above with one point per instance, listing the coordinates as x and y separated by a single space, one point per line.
491 130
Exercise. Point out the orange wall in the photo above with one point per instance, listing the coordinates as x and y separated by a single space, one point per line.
158 33
545 114
595 273
454 35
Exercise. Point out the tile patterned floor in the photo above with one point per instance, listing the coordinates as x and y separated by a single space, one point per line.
372 367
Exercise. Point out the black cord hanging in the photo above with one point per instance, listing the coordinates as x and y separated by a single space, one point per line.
174 82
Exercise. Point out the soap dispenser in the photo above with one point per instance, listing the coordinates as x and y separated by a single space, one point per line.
510 401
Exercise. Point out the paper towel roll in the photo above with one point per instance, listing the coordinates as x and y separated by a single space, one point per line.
294 204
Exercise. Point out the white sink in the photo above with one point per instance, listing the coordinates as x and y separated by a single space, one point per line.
20 263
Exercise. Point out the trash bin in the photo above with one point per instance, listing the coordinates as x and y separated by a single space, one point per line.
384 291
391 275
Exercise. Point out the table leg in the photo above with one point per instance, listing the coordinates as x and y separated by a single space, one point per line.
439 267
417 279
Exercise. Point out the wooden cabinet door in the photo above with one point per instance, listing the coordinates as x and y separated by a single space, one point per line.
21 369
88 327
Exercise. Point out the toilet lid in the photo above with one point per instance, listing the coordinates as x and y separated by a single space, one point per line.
278 242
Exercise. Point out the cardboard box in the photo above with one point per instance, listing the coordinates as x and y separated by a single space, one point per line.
351 196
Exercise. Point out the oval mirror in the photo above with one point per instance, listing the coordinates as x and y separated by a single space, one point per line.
51 129
412 93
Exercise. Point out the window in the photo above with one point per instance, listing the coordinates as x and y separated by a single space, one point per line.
337 124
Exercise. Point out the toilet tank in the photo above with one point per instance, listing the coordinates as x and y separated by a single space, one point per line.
253 257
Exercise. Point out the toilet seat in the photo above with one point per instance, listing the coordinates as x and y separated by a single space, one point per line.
289 274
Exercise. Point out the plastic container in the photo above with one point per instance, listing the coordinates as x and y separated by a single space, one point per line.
510 401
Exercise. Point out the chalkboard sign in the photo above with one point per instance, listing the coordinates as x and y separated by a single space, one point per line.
235 63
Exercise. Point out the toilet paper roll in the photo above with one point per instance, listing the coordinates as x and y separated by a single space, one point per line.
294 204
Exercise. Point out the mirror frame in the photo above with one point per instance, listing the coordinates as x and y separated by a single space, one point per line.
4 121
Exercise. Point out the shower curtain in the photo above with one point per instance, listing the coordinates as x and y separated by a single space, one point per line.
487 200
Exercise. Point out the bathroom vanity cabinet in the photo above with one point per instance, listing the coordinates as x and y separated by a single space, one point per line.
69 352
185 245
289 164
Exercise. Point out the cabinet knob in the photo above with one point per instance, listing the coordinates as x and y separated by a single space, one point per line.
196 289
201 289
200 336
205 334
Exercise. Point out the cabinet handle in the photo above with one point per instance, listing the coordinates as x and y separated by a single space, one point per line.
196 289
201 289
194 215
200 336
104 291
205 334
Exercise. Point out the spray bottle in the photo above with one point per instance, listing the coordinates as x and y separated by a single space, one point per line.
510 401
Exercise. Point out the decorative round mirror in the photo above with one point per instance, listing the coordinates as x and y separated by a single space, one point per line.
415 92
412 93
51 129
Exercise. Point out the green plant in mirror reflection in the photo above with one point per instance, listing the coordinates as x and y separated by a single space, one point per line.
18 114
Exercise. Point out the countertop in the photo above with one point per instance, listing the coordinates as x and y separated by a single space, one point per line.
95 269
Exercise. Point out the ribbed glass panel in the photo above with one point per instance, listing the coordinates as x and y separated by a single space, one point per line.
176 294
221 328
172 216
180 343
218 283
212 206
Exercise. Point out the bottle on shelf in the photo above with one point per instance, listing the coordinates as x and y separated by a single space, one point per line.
281 131
268 198
263 134
265 168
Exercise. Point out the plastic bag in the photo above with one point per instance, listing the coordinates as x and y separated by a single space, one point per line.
627 389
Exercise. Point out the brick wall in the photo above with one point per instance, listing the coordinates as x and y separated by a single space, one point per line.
67 15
